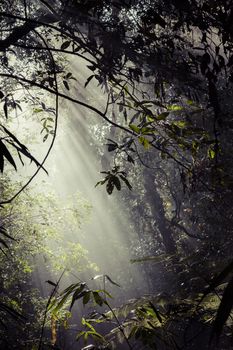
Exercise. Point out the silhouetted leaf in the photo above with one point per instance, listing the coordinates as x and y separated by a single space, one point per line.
156 312
5 108
65 45
223 310
111 281
4 232
86 297
110 185
130 159
66 85
52 283
126 182
112 147
3 243
218 279
1 162
77 294
12 312
116 182
88 80
98 299
163 116
7 154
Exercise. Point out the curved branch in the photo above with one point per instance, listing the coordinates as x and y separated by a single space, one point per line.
71 99
54 134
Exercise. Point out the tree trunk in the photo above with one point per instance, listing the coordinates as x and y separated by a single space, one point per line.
156 204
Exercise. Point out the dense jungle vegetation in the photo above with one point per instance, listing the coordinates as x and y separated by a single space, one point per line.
161 124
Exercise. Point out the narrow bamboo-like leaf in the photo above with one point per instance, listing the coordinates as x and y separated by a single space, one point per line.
52 283
28 155
1 162
98 299
7 154
77 294
3 243
89 79
5 108
61 303
15 314
156 312
111 281
97 277
223 311
126 182
3 231
86 297
218 279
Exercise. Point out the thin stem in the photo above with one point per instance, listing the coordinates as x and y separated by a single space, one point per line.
119 324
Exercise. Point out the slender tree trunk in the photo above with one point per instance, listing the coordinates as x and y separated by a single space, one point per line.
157 210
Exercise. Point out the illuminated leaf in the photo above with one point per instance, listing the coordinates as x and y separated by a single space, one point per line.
174 108
135 128
144 142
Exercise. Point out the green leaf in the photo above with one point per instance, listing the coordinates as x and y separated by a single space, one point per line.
211 153
86 297
61 303
77 294
180 123
144 142
38 110
98 299
163 116
135 128
175 108
156 312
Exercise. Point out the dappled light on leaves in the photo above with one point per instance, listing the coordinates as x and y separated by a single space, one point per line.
116 174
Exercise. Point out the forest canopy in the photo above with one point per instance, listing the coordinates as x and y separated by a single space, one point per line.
164 70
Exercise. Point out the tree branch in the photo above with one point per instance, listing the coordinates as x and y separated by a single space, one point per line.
71 99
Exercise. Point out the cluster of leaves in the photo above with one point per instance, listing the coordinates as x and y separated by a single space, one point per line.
113 179
153 321
26 230
168 66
